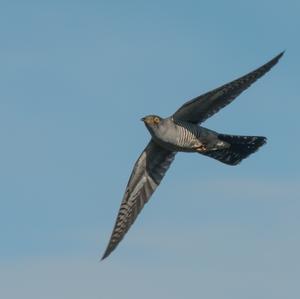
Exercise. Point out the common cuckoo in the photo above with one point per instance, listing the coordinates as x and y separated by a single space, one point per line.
181 133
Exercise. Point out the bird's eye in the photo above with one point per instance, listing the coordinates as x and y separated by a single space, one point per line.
156 120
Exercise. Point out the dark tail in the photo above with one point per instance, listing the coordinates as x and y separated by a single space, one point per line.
240 148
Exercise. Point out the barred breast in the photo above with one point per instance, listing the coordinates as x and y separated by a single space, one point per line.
177 135
188 136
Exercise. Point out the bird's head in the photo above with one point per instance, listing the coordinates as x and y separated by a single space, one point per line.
151 120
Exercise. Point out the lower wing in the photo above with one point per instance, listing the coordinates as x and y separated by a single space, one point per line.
147 173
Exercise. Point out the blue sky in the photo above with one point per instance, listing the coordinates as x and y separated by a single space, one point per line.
75 80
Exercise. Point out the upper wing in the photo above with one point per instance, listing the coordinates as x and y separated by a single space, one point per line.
147 173
200 108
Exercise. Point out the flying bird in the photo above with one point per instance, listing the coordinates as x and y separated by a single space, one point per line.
181 132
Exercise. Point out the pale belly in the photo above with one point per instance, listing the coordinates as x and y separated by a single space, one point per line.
197 139
174 147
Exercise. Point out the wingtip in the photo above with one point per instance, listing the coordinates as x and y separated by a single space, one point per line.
280 55
104 256
274 61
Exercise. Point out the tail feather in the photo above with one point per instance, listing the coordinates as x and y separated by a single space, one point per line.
240 148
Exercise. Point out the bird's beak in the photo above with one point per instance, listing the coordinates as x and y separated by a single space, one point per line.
143 119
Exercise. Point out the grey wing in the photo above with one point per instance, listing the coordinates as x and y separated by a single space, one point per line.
147 173
200 108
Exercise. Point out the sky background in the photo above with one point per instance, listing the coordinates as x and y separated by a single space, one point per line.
76 77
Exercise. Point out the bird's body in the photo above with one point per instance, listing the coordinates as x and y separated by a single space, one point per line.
181 133
181 136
